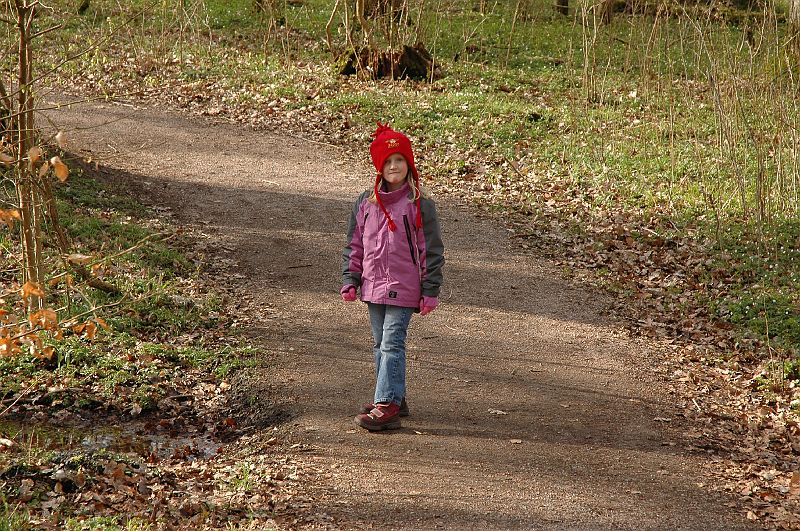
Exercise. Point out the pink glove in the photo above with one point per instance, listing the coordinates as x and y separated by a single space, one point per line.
348 293
428 304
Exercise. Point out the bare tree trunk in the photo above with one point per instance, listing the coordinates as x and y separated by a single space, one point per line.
794 23
360 5
26 190
511 34
606 11
328 27
794 13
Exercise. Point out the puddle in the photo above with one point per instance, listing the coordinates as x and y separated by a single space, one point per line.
123 441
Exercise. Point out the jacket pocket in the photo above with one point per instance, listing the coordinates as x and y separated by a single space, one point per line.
408 237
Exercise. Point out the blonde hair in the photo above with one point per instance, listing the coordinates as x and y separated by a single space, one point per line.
418 191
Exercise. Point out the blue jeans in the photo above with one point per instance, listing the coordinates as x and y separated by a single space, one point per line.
389 330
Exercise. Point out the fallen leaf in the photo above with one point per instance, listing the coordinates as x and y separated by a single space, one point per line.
61 139
79 259
46 353
9 217
34 154
87 330
794 483
61 170
46 318
8 347
30 289
25 495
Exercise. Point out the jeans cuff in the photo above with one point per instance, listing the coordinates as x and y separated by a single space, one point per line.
387 400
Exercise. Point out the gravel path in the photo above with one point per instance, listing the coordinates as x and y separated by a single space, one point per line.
528 409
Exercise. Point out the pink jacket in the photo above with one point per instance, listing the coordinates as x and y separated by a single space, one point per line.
393 267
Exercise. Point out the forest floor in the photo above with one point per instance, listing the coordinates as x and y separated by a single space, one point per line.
531 407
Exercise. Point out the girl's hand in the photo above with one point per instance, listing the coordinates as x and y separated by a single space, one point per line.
348 293
428 304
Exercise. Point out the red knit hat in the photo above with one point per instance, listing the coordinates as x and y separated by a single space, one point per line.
388 142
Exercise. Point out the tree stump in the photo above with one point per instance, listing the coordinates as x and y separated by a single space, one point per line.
412 62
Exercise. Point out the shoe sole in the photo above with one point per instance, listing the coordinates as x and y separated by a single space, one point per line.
391 425
402 413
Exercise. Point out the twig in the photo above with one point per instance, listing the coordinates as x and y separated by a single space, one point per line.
513 165
328 27
74 318
695 405
45 31
33 384
135 246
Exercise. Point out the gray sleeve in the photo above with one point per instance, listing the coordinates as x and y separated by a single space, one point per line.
353 253
434 250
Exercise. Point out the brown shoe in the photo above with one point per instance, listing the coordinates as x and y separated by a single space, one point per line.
366 408
382 417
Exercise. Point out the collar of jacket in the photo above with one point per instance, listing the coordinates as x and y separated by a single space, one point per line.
389 198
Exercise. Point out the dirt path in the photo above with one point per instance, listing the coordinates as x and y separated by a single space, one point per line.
577 445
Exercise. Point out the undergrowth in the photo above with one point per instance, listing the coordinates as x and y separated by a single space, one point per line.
157 323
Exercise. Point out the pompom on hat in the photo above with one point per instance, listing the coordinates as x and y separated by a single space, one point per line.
387 142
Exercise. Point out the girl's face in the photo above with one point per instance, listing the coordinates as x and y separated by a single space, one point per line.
395 171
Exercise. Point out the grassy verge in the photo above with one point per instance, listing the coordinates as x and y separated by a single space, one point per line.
103 412
160 324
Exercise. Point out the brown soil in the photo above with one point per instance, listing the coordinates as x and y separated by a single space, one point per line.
582 439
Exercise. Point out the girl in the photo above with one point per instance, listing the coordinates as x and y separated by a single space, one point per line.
394 253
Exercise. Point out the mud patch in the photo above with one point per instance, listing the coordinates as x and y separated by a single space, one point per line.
258 404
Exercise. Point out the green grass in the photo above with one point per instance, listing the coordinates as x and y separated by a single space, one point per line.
97 220
13 518
243 479
119 369
762 274
107 523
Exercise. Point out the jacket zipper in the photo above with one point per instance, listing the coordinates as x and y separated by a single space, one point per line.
408 236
